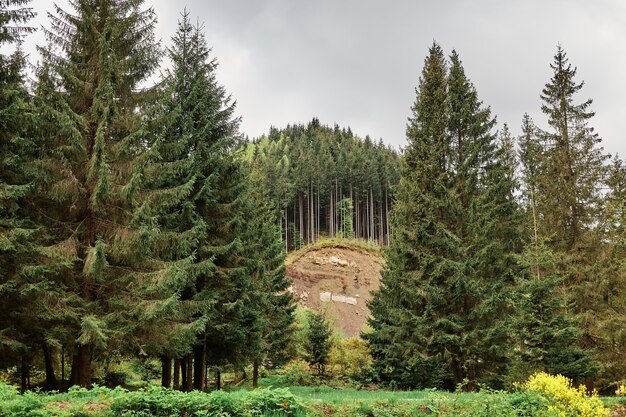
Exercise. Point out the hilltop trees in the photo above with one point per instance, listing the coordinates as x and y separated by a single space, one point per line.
324 180
441 313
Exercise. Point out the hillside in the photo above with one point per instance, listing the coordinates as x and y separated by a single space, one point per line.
336 278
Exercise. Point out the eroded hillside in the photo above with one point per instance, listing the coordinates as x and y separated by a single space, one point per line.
336 279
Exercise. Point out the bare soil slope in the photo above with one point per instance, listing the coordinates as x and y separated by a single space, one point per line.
336 280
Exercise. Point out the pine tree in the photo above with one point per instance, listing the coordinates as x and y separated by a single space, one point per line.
574 161
418 226
19 229
91 103
317 341
570 174
270 334
455 234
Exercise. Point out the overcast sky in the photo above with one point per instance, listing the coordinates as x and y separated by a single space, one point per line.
356 63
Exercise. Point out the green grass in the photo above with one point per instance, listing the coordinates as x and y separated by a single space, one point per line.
346 395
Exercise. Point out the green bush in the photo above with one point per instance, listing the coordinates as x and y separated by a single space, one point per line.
278 401
297 372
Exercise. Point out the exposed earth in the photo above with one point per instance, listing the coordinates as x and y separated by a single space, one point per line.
337 280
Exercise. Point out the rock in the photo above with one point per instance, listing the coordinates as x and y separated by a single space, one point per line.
335 260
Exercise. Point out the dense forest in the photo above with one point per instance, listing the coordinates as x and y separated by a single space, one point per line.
327 181
136 221
508 255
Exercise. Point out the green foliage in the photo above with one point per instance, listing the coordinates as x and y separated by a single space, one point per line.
317 341
442 312
326 181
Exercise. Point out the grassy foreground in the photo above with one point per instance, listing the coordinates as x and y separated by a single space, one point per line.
547 398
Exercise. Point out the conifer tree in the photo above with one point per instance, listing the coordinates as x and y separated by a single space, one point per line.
317 341
455 234
569 175
18 223
271 331
199 120
91 103
396 347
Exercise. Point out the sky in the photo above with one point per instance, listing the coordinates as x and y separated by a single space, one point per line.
357 62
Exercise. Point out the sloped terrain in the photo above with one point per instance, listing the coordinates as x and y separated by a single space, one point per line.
337 280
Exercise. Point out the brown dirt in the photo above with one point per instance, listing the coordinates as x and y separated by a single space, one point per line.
348 274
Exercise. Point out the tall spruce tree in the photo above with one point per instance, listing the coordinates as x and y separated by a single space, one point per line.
198 120
421 198
569 177
270 334
443 298
18 225
91 104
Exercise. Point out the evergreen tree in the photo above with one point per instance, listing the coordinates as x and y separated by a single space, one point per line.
421 195
455 234
317 341
270 334
91 103
569 172
200 131
18 222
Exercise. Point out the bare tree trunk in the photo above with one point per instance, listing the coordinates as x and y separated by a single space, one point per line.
177 366
301 218
189 378
81 367
387 214
63 367
183 373
370 220
51 379
199 353
23 379
255 374
218 379
381 236
166 371
318 212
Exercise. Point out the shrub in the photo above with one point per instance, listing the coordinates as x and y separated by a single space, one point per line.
621 391
297 373
350 357
279 401
564 398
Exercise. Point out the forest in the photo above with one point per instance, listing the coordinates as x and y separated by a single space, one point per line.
139 225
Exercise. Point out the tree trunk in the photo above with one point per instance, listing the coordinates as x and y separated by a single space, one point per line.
51 379
189 378
23 381
218 379
255 374
81 367
166 371
301 218
63 367
199 366
183 373
176 373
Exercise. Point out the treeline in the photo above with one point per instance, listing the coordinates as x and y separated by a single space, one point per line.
129 226
509 254
327 181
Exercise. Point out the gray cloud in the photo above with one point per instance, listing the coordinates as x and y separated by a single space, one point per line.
357 62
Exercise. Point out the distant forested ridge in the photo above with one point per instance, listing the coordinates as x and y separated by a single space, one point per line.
327 181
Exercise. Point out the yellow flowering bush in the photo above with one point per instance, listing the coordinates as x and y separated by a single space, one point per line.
566 400
621 391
